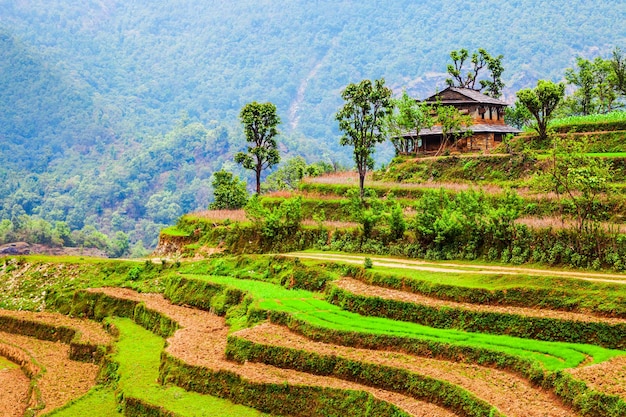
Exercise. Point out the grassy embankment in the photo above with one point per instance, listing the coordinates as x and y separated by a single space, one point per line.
311 309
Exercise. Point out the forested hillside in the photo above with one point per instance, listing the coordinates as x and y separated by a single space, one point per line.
115 113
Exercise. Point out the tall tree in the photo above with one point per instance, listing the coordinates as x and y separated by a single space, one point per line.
466 78
583 77
541 102
362 121
618 64
259 125
606 84
404 124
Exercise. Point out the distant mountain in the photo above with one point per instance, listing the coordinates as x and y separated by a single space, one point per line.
88 87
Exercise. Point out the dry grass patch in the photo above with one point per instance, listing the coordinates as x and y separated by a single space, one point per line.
61 379
89 331
14 389
608 377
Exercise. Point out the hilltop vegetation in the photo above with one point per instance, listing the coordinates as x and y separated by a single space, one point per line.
94 96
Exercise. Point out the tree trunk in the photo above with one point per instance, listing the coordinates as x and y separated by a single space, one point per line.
361 184
258 181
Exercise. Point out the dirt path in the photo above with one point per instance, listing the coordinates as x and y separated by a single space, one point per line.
202 341
62 379
13 389
512 395
460 268
357 287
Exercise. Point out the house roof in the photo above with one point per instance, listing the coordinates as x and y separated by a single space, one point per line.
477 128
464 95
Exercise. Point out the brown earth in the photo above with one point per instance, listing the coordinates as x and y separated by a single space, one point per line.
90 331
359 288
511 394
13 394
202 341
61 379
608 377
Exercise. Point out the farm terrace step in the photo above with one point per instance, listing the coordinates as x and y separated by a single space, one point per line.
358 287
511 394
14 388
89 331
59 379
201 341
533 323
87 339
607 377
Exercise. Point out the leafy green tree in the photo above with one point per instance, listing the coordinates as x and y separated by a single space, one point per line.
618 66
397 223
517 115
229 192
404 124
606 86
259 125
361 119
466 78
583 77
163 207
579 179
276 222
541 102
453 124
365 211
287 176
119 246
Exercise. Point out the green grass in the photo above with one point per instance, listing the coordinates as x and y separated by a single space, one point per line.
138 355
6 364
309 307
478 280
608 154
99 402
616 116
53 280
174 231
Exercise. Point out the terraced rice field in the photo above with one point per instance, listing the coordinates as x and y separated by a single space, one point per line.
297 353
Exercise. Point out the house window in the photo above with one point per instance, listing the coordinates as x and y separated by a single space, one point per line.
497 137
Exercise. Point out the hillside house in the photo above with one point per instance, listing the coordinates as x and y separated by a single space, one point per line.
487 114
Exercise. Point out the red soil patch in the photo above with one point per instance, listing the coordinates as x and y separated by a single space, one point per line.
89 331
61 379
357 287
202 341
13 394
512 395
608 377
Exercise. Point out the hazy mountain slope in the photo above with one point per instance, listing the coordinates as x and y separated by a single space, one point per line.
90 90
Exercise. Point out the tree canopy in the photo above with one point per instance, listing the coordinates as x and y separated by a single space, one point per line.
406 121
361 119
467 78
541 102
259 125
